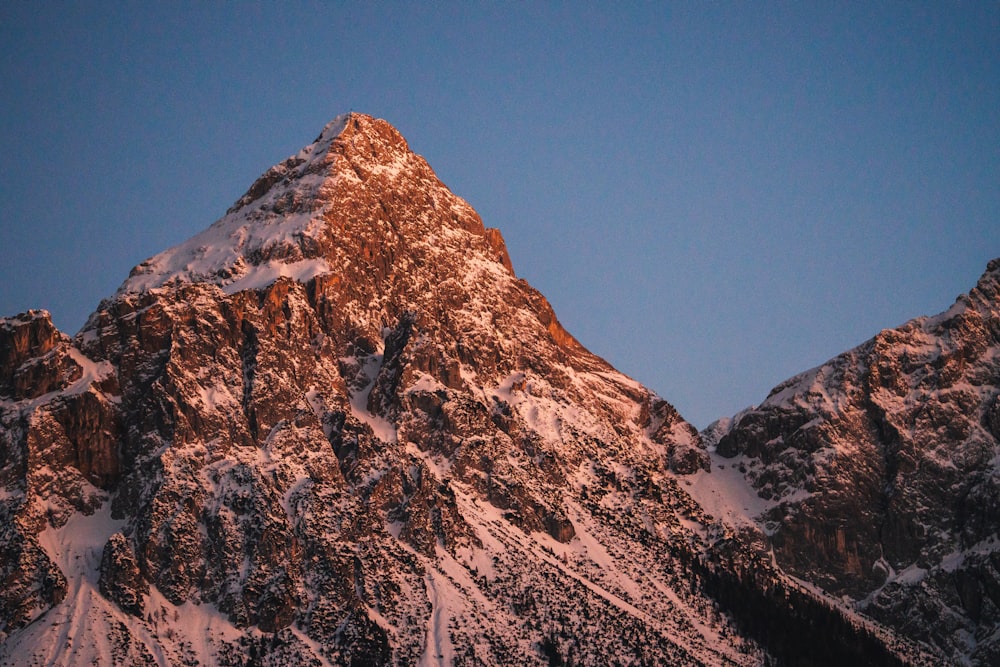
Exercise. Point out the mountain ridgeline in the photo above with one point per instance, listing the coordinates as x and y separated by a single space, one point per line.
881 466
335 428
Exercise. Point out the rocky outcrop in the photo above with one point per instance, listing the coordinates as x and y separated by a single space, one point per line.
32 356
31 582
882 468
120 580
58 455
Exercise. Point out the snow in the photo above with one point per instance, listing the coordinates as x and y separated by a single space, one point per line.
381 427
426 383
91 372
219 254
614 577
955 560
957 308
266 274
331 131
217 397
199 627
76 630
317 649
724 493
86 628
911 575
807 389
439 649
77 546
477 560
539 407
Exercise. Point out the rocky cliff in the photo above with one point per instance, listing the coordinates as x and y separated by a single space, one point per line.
881 472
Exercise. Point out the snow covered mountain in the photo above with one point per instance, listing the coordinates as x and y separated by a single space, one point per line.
336 428
877 475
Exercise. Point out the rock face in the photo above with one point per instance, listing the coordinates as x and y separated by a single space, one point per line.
335 428
121 581
882 469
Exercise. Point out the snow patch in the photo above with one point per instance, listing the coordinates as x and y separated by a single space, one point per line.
77 546
383 429
439 648
92 372
199 628
725 493
265 274
911 575
957 308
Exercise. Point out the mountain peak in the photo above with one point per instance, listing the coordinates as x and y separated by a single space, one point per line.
290 222
374 137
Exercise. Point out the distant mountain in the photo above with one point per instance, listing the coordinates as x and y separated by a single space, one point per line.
881 471
336 428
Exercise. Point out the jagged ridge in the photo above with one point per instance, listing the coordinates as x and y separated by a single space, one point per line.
882 470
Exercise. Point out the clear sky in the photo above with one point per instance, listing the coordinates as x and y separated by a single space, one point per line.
713 196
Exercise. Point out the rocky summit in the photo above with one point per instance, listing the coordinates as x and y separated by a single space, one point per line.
335 428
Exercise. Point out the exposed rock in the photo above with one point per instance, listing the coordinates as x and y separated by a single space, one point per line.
499 247
883 465
120 580
33 356
29 580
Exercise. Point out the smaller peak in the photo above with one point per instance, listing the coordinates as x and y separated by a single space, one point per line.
983 298
25 336
988 284
35 318
987 289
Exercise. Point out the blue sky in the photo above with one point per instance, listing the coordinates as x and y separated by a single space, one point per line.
713 196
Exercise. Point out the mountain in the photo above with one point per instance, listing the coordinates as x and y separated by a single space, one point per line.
880 472
336 428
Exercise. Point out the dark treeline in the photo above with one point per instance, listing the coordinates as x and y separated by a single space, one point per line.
794 627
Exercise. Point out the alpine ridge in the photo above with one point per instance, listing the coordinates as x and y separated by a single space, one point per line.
881 472
335 428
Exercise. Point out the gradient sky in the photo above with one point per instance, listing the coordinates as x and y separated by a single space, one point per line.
713 196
